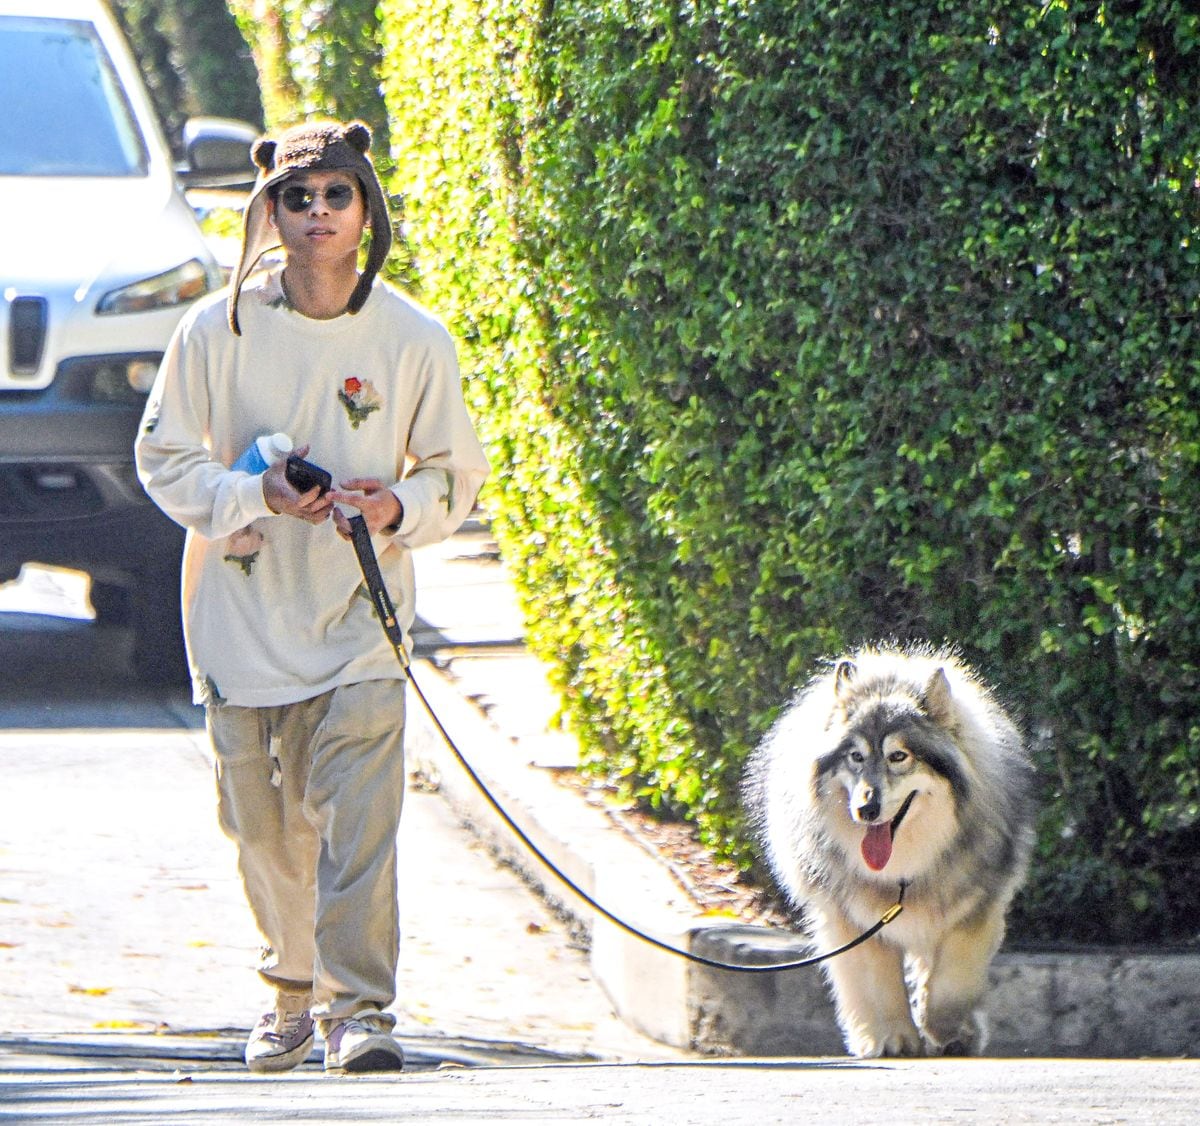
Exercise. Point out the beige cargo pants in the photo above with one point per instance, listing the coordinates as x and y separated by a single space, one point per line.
311 795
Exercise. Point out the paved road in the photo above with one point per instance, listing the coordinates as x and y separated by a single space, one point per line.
728 1093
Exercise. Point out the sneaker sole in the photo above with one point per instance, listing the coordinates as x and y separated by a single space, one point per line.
285 1061
373 1059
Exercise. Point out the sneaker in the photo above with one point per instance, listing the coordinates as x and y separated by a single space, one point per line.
362 1043
280 1041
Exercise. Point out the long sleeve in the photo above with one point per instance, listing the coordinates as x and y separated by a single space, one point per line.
448 466
174 462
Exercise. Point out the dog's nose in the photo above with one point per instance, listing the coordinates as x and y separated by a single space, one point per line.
870 807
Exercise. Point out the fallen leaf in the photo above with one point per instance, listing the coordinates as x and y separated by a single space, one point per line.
120 1024
9 945
534 928
199 943
90 991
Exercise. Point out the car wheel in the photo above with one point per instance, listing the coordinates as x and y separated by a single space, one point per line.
158 652
111 602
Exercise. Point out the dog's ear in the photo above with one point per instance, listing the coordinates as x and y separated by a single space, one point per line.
843 674
936 698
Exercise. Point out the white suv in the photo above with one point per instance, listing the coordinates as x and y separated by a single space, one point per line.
100 254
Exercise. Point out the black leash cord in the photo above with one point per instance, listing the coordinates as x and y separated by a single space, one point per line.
361 538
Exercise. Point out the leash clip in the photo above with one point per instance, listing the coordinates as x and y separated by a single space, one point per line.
898 906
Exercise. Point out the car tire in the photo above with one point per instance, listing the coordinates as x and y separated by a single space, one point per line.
111 602
158 655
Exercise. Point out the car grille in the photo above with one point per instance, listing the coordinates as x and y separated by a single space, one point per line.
26 334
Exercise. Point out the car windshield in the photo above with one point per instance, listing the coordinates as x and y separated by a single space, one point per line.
64 111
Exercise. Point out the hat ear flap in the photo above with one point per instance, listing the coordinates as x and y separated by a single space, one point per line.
358 136
262 152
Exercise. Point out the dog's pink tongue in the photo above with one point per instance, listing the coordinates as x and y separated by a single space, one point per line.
877 846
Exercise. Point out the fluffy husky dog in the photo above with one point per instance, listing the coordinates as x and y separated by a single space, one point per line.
898 766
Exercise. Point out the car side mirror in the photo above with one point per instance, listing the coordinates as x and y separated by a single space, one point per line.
217 153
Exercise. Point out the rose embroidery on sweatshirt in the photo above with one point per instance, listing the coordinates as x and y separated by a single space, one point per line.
360 398
243 547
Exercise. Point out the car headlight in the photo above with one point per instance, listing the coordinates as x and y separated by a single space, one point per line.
175 287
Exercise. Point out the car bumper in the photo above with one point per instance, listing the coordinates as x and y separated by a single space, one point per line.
69 494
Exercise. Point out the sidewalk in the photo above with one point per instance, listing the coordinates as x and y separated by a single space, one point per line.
122 917
493 698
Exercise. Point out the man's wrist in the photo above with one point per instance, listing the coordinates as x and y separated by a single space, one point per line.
392 528
266 495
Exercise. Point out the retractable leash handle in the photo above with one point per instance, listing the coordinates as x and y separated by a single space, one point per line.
384 610
365 550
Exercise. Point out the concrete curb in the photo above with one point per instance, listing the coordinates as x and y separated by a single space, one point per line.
1104 1004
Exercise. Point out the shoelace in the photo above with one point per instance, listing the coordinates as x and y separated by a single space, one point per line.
287 1025
356 1025
351 1025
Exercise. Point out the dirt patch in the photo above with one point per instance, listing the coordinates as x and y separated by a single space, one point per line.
716 886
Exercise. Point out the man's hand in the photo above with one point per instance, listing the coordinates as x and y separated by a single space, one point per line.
376 502
283 498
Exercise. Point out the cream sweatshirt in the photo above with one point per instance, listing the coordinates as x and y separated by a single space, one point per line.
275 610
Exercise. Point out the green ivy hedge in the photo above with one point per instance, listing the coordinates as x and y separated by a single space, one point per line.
794 323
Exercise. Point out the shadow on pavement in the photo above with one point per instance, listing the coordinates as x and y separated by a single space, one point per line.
221 1050
65 673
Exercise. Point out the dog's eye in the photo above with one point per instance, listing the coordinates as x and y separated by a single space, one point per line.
857 757
899 757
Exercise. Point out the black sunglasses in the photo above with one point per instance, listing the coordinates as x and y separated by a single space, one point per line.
297 198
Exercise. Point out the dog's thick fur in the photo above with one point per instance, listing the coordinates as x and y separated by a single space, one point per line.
827 791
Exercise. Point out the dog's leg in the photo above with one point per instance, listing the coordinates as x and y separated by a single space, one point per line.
949 997
869 994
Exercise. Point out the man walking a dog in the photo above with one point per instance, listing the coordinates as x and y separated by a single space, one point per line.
303 694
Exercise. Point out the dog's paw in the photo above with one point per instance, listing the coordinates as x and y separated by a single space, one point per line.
891 1042
960 1038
